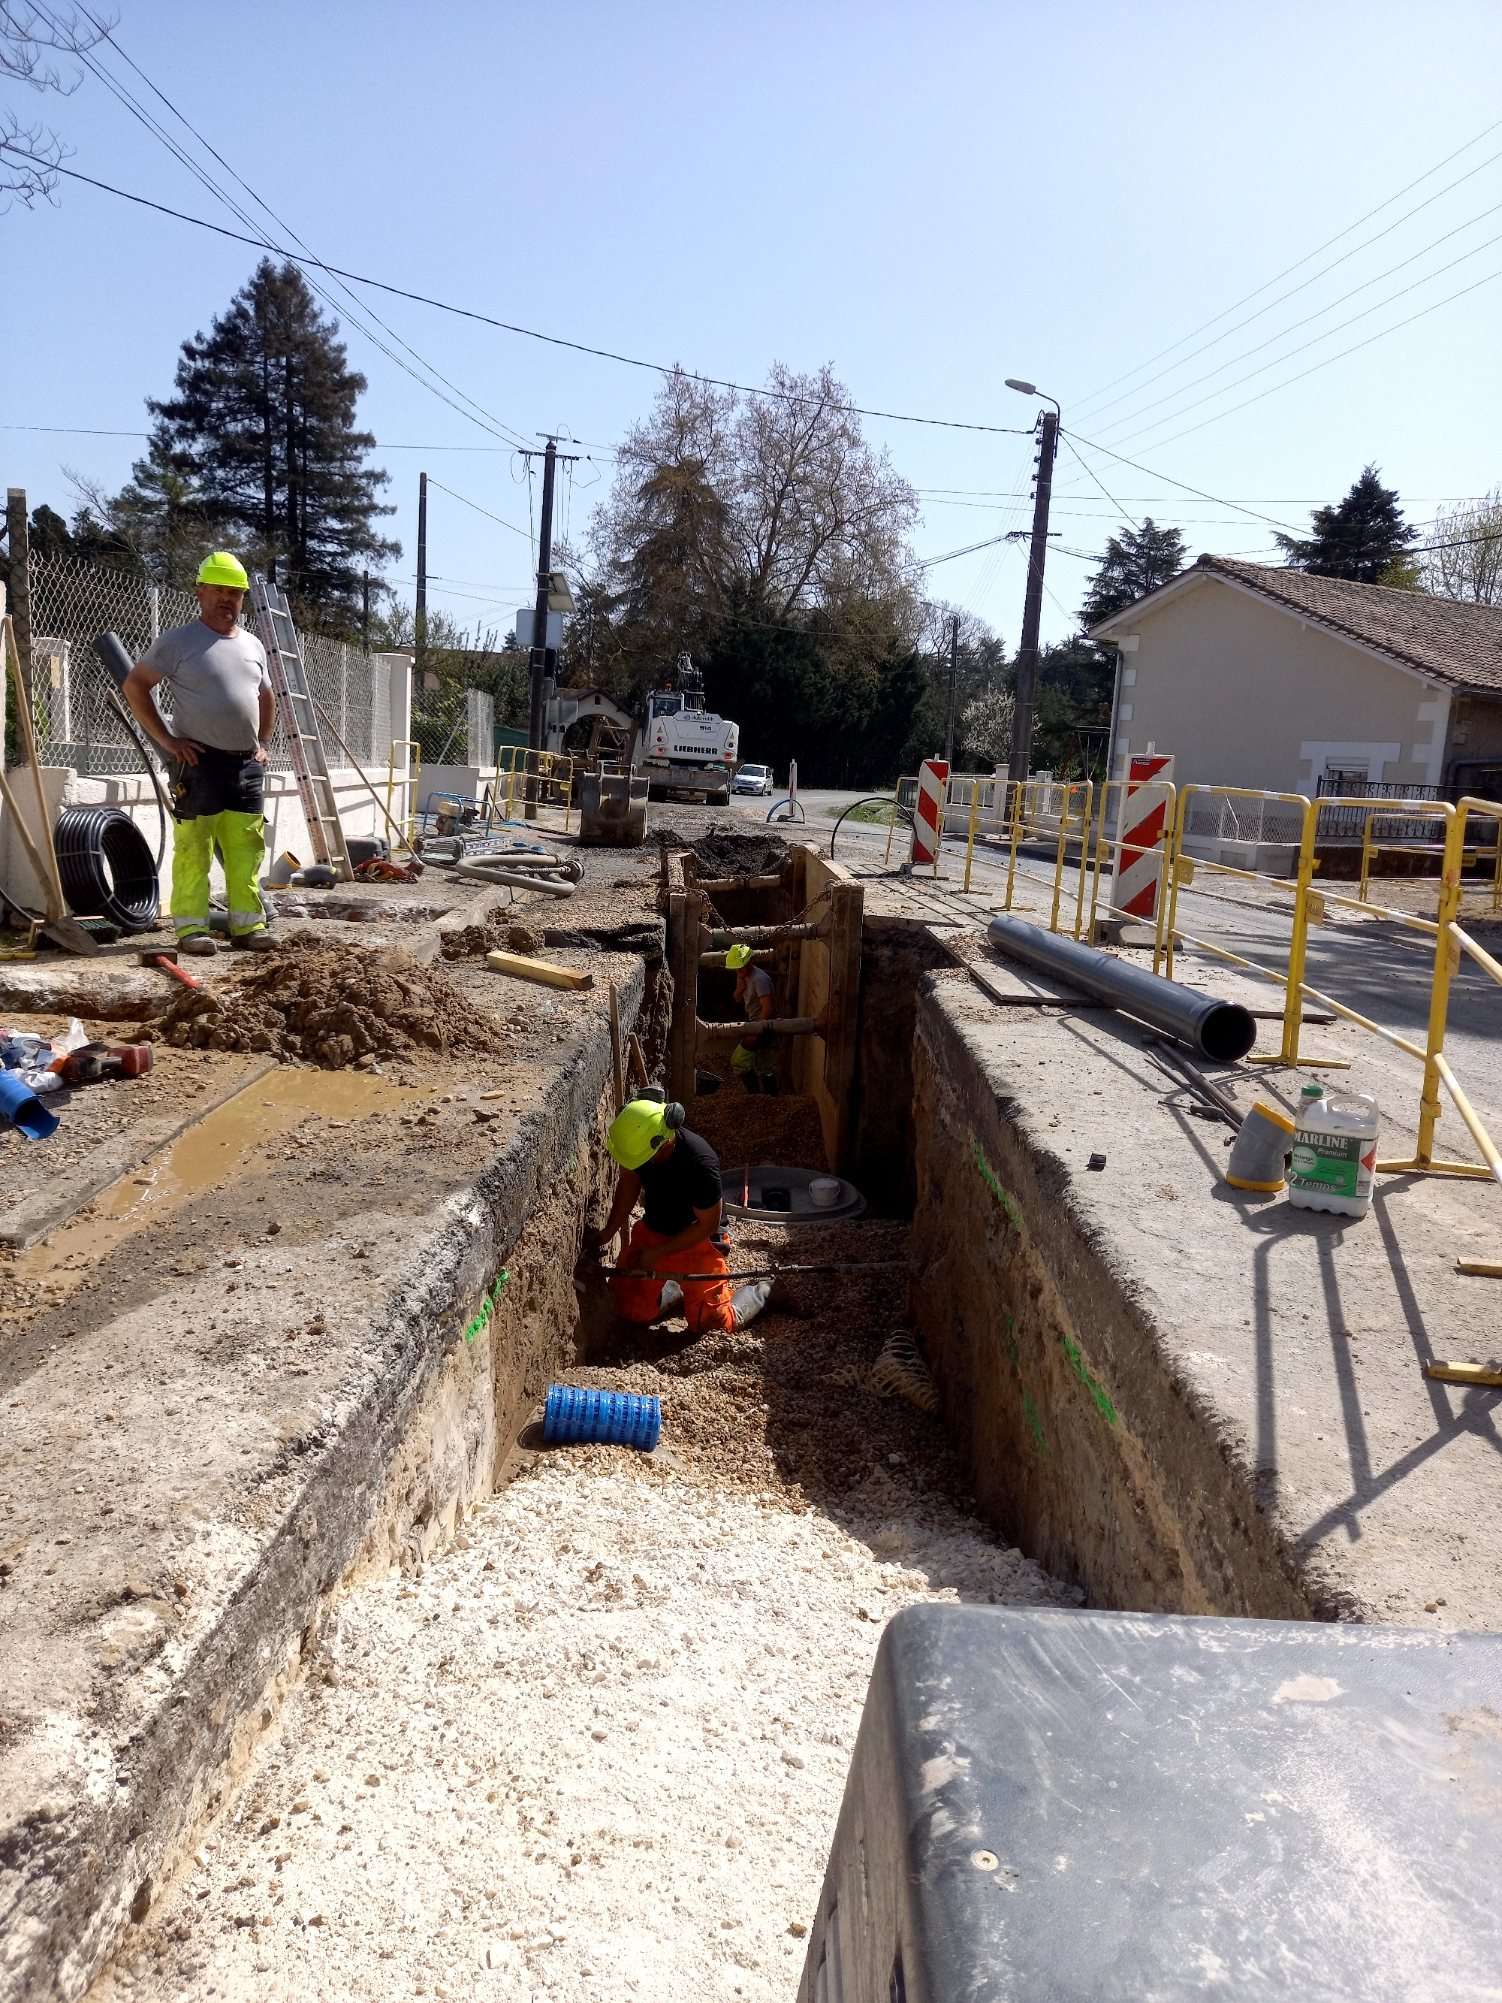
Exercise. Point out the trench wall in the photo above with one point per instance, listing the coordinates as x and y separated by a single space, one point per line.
430 1408
896 953
1079 1437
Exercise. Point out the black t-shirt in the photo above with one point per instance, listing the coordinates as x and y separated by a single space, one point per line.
688 1180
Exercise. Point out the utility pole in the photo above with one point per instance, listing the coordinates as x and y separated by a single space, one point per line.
544 590
1032 609
365 612
420 622
954 672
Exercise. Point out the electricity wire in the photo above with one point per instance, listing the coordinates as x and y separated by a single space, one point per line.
1298 263
529 333
477 508
486 419
1314 340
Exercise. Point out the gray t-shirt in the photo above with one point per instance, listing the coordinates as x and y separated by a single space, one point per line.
758 987
213 682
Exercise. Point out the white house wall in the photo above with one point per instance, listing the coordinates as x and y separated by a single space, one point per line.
1243 694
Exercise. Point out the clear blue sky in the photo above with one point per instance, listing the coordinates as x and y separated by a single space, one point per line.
930 198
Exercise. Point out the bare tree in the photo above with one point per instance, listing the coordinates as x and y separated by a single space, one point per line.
775 501
31 40
1470 567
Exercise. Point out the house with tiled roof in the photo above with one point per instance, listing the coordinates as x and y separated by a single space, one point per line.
1252 675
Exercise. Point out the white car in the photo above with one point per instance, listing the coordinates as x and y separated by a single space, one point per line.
752 779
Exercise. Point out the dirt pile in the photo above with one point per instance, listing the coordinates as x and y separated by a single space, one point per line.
333 1004
728 852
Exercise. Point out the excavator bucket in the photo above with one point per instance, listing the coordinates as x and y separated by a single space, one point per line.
612 810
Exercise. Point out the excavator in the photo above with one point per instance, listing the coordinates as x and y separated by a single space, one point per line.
681 749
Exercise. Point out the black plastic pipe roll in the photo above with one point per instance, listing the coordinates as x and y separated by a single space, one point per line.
1220 1030
107 868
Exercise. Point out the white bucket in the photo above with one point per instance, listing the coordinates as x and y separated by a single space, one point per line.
824 1191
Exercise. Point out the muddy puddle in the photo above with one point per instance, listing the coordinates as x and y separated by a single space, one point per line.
213 1151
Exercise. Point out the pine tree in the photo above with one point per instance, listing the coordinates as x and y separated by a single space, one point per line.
1364 539
264 421
1135 562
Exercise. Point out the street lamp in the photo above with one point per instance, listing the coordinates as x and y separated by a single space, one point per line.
1032 605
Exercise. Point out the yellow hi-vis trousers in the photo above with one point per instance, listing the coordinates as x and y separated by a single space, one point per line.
241 839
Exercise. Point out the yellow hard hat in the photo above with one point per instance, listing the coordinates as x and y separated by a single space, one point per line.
640 1129
223 568
738 956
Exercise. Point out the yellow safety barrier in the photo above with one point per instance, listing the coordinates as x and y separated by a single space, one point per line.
1060 810
412 773
536 778
1370 848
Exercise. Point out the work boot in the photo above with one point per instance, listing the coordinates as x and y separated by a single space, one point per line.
259 941
771 1086
752 1299
751 1082
672 1298
199 944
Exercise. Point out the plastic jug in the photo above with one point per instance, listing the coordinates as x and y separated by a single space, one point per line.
1334 1154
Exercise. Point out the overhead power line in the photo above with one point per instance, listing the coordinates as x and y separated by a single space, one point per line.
1298 264
1173 395
1315 367
476 413
1157 424
478 509
1199 492
304 258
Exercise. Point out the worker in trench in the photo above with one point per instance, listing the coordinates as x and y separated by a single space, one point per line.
753 1059
223 713
675 1174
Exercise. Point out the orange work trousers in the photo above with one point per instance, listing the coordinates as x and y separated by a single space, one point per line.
706 1303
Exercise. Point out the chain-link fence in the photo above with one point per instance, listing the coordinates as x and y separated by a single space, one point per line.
71 602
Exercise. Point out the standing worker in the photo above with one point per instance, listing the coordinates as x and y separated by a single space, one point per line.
753 1060
677 1174
223 712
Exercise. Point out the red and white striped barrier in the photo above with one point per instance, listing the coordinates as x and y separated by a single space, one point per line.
928 812
1139 860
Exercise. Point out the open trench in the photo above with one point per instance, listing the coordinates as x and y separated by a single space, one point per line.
585 1733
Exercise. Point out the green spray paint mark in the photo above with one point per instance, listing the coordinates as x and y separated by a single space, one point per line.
1034 1424
487 1306
989 1178
1091 1383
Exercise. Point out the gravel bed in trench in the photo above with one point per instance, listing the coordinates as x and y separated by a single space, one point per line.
596 1750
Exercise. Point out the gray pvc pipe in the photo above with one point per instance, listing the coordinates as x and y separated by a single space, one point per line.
1220 1030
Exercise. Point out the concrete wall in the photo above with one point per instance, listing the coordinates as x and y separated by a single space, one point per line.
286 827
1244 694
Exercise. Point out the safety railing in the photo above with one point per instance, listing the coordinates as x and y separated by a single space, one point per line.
1057 813
1371 848
528 778
410 773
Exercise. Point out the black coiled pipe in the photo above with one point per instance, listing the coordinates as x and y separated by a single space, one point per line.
107 869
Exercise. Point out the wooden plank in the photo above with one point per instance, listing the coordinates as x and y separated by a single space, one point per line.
1489 1374
842 1039
683 965
545 972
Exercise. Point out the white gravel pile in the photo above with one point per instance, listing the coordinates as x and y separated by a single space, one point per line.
596 1751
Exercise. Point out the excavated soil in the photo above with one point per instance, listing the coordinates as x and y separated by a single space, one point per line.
745 1127
725 852
333 1005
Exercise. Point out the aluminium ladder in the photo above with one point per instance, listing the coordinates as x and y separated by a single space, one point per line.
289 681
